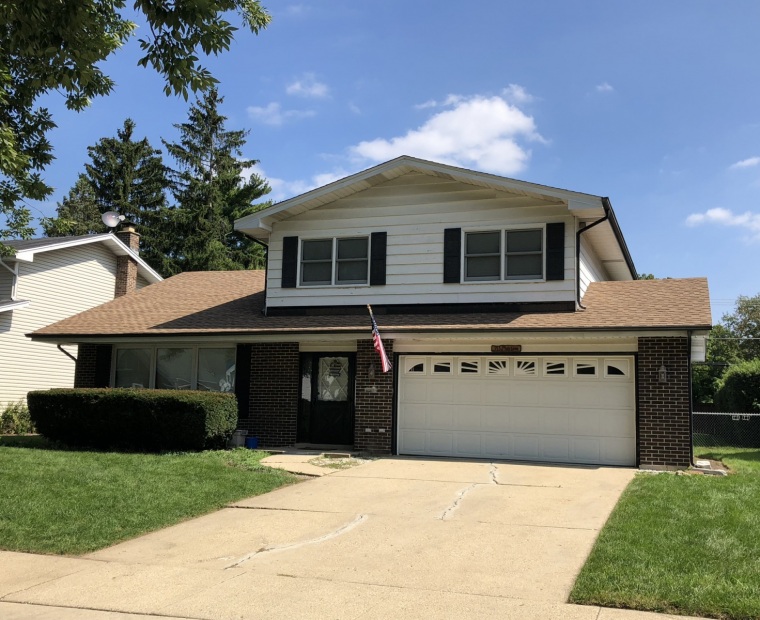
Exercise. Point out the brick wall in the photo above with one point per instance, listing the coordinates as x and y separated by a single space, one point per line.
126 267
273 413
93 367
664 419
374 400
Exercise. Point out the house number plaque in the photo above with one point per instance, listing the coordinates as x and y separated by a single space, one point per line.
506 348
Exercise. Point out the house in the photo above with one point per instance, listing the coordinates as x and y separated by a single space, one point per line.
511 312
47 280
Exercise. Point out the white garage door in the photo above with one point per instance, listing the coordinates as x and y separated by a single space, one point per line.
538 408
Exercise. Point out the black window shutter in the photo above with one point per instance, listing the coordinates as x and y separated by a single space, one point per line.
243 380
452 255
103 365
289 262
377 260
555 251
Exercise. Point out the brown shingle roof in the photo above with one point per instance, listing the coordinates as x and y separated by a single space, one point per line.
230 302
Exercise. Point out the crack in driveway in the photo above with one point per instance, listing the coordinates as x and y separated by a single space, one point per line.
457 501
325 537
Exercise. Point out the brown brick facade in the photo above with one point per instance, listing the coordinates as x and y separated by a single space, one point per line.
273 399
93 367
374 400
126 267
664 409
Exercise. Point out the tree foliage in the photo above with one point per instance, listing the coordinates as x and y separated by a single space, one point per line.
739 389
124 175
211 192
57 46
734 340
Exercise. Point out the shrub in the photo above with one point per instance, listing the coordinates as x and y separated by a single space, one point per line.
130 419
739 389
15 420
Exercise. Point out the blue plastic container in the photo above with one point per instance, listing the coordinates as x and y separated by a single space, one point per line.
252 442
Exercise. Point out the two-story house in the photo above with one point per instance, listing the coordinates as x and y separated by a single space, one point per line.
47 280
511 312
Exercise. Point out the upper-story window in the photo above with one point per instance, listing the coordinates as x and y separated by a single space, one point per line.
334 261
509 255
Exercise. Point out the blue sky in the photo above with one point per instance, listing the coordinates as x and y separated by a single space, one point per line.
654 104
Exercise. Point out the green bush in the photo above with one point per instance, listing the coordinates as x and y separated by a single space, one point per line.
15 420
130 419
739 389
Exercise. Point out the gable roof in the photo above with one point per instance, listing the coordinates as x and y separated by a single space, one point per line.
25 249
584 206
231 302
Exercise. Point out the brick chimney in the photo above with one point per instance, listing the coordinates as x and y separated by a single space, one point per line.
126 267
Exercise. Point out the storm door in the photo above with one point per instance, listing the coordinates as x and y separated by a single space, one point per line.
326 414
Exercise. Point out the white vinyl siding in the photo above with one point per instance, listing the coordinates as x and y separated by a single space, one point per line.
414 210
6 284
591 268
59 284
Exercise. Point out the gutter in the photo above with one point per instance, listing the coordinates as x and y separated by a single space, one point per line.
609 215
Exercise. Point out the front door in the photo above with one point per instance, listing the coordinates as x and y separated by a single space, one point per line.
326 414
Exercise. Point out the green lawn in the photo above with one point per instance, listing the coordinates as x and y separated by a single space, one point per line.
60 501
685 544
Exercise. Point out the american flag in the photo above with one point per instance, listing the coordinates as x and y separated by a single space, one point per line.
385 361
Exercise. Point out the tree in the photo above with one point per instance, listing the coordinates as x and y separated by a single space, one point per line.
734 340
127 176
210 192
78 213
57 46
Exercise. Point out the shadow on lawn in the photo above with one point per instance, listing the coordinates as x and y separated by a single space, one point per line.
30 441
751 456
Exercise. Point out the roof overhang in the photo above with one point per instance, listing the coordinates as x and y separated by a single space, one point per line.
259 225
17 304
111 241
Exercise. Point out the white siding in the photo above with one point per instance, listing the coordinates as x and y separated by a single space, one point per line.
591 268
414 210
59 284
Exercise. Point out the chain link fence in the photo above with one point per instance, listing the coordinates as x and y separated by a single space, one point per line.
726 429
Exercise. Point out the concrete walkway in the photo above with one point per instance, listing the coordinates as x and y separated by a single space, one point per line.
403 538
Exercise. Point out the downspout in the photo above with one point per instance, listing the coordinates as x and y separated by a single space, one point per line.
578 234
65 352
14 273
689 333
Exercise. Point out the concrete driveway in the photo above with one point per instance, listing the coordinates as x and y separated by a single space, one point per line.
394 537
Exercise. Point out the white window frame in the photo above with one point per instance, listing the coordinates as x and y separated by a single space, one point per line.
154 359
503 254
334 262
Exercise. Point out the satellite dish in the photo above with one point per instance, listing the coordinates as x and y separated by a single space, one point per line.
112 219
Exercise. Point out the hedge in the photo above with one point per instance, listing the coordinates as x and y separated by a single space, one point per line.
134 419
739 389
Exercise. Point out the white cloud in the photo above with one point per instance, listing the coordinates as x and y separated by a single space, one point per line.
283 189
482 132
517 94
604 87
745 163
273 114
749 221
354 109
308 86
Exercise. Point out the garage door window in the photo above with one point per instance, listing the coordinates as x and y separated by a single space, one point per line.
555 368
585 369
616 368
442 368
469 367
415 366
525 368
498 367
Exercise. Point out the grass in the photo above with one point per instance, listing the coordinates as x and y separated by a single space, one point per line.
682 544
72 502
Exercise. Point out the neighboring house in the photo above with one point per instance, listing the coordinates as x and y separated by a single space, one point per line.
48 280
511 312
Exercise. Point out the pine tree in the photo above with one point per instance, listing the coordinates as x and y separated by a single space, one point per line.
127 176
78 213
211 193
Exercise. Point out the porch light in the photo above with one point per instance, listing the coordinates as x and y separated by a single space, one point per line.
371 370
663 374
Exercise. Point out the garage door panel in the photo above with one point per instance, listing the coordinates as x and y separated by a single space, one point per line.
440 443
558 416
468 444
